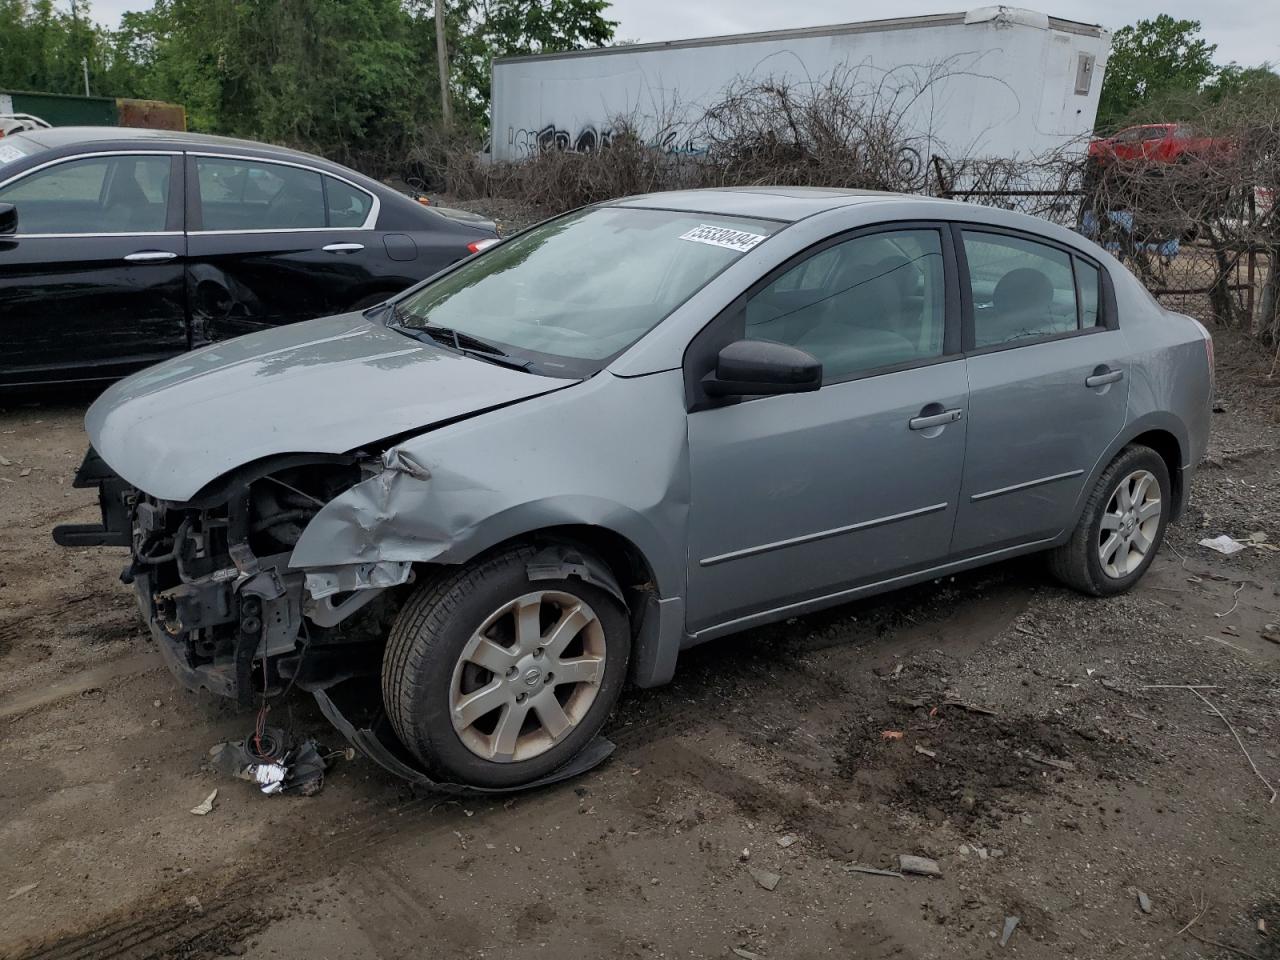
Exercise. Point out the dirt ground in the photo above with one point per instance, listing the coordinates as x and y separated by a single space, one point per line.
1055 787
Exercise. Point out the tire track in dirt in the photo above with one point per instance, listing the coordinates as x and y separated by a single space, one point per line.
700 700
167 926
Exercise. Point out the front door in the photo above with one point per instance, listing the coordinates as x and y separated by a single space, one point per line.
91 284
1048 380
273 243
808 495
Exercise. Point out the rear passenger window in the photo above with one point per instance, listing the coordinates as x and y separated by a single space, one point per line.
1089 280
256 195
867 303
1021 289
348 207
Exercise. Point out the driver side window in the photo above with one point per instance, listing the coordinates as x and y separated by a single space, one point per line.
256 195
871 302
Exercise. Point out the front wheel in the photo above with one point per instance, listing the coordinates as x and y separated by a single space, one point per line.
496 680
1121 527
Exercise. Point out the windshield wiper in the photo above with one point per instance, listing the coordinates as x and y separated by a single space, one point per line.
464 343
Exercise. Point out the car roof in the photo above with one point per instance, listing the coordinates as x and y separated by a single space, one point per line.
766 202
55 137
787 204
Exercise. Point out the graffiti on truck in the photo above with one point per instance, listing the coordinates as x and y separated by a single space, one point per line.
528 141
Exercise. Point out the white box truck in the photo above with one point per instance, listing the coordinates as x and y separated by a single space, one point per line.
991 82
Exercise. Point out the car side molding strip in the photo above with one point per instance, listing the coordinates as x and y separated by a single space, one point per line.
800 607
820 535
1027 485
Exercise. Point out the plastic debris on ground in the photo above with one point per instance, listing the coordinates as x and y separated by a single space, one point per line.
920 866
1223 544
274 762
766 878
346 706
1010 925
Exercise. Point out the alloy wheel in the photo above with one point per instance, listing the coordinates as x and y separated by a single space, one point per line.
1129 524
528 676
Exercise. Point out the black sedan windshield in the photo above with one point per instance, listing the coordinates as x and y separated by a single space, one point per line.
579 290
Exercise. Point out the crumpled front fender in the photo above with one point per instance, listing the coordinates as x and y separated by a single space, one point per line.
448 495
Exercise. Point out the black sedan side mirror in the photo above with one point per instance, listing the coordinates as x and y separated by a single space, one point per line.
751 368
8 218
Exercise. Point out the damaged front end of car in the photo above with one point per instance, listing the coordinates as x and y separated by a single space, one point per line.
213 581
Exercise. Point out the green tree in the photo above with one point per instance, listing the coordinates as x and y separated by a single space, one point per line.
340 77
481 30
42 49
355 80
1234 80
1152 59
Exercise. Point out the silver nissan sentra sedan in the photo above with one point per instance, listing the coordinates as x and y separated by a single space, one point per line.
633 428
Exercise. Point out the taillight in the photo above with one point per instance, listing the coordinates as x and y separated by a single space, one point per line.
475 246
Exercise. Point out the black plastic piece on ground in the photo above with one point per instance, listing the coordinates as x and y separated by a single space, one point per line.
116 528
378 742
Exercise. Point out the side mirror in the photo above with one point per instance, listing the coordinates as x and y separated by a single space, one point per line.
752 368
8 218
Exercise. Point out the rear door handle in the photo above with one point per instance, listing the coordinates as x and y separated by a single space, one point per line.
151 256
343 247
936 419
1103 378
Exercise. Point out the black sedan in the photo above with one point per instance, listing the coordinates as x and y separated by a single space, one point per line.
121 247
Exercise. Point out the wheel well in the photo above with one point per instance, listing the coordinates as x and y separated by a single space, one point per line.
625 561
623 557
1165 444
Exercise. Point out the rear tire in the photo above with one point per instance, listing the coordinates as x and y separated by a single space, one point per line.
469 675
1121 527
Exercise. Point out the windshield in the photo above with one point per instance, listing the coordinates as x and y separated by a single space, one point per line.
571 293
14 147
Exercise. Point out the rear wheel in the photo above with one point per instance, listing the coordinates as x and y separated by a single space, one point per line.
1121 527
495 680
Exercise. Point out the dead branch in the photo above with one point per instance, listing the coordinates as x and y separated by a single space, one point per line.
1195 689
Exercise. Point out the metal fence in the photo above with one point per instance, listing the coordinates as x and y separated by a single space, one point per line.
1207 266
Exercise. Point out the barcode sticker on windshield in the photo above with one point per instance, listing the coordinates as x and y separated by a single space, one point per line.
8 153
723 237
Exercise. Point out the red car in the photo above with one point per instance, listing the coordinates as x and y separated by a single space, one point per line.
1155 142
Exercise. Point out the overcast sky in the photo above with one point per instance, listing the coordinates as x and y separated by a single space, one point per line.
1247 31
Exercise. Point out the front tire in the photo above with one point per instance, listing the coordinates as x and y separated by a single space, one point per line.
494 680
1121 527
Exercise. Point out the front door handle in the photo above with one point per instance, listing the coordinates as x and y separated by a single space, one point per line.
151 256
343 247
1103 376
925 422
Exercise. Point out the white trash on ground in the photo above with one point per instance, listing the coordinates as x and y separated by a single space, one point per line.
1223 544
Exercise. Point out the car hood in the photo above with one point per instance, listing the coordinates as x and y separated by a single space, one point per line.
324 386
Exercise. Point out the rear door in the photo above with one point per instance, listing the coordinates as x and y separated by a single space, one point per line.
92 284
273 242
1048 381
